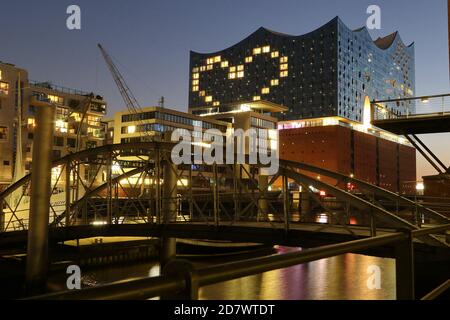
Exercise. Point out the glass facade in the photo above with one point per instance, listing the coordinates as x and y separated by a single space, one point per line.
327 72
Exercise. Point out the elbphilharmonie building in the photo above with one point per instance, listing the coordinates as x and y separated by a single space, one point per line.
327 72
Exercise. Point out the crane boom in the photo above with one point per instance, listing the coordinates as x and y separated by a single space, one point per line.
128 97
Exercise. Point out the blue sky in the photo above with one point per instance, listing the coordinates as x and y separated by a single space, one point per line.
151 40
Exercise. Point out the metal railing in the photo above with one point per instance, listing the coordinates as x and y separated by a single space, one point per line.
180 280
51 86
414 107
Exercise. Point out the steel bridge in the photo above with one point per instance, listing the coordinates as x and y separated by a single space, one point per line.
135 189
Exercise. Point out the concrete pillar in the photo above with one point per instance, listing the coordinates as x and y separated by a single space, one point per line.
286 203
236 191
305 204
404 269
2 217
263 203
169 198
109 202
37 249
68 191
216 195
169 209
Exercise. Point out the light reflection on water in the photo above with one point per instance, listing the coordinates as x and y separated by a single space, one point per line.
342 277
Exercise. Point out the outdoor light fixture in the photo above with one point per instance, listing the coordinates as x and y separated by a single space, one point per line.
424 100
420 186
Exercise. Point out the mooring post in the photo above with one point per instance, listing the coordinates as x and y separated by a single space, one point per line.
37 249
216 196
286 203
263 205
109 202
169 208
183 270
157 180
404 268
2 217
68 190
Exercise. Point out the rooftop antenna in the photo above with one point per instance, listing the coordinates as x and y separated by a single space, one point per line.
161 102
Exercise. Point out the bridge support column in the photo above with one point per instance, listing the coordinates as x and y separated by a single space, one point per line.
286 203
169 209
216 196
404 269
68 191
109 202
2 217
305 204
37 249
263 205
236 189
184 270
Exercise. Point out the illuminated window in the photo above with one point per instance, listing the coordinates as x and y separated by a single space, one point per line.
202 68
76 116
209 67
195 76
195 82
248 59
257 51
265 90
131 129
4 87
275 54
274 82
210 60
202 93
240 74
283 74
0 74
216 103
217 59
224 64
232 69
208 98
283 59
94 121
55 99
61 126
240 67
232 75
266 49
194 70
283 66
31 122
195 88
256 98
3 133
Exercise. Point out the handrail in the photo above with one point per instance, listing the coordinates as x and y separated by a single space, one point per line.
156 286
437 291
145 288
426 231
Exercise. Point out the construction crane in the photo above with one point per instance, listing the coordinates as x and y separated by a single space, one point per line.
128 97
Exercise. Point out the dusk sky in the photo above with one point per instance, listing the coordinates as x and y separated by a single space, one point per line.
151 40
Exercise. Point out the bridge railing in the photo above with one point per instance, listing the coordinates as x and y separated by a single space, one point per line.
180 280
434 105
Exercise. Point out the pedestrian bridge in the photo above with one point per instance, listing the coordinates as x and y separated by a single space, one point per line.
135 188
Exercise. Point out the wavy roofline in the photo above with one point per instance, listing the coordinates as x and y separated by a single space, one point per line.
382 43
280 34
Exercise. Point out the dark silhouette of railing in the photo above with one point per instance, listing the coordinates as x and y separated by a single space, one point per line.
180 280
